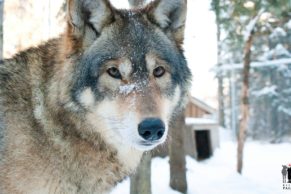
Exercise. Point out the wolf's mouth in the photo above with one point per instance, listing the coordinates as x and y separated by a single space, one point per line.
149 143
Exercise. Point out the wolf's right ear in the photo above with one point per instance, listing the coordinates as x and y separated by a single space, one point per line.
88 17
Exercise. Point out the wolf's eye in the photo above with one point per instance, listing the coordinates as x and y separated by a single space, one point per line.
114 72
159 71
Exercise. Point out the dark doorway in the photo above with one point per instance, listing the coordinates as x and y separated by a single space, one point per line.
203 146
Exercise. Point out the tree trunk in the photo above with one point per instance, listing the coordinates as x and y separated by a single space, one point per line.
136 3
178 180
244 103
221 101
1 28
140 182
1 58
221 116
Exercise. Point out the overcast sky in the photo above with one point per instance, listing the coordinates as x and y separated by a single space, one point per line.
200 49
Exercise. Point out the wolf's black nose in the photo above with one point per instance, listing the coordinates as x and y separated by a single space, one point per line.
151 129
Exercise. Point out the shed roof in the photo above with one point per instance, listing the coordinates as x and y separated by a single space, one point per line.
202 105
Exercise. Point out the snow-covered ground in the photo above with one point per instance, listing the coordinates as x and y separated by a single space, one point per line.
217 175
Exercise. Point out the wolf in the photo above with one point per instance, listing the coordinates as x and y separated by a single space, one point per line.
80 110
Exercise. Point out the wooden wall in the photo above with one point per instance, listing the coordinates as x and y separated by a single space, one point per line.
193 110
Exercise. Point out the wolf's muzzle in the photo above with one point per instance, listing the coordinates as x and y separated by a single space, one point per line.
151 129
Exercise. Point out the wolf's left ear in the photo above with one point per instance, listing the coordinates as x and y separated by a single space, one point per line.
170 15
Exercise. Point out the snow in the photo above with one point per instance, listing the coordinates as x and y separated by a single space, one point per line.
190 121
278 32
285 110
120 4
126 89
278 51
268 90
261 172
276 62
288 25
251 25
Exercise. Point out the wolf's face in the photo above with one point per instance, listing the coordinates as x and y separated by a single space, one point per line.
131 76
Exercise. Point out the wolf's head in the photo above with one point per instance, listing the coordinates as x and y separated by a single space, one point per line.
129 72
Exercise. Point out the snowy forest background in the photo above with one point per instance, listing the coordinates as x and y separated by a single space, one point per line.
252 38
270 83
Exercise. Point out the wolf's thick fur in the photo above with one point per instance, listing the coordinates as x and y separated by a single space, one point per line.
71 128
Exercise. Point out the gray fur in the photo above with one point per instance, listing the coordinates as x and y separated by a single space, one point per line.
58 136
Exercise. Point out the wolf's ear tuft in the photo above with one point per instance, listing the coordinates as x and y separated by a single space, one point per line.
88 15
170 15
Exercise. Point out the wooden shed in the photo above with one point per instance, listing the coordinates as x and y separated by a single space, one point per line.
198 109
202 129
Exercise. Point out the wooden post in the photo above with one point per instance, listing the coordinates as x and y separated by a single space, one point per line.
178 180
1 28
140 182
